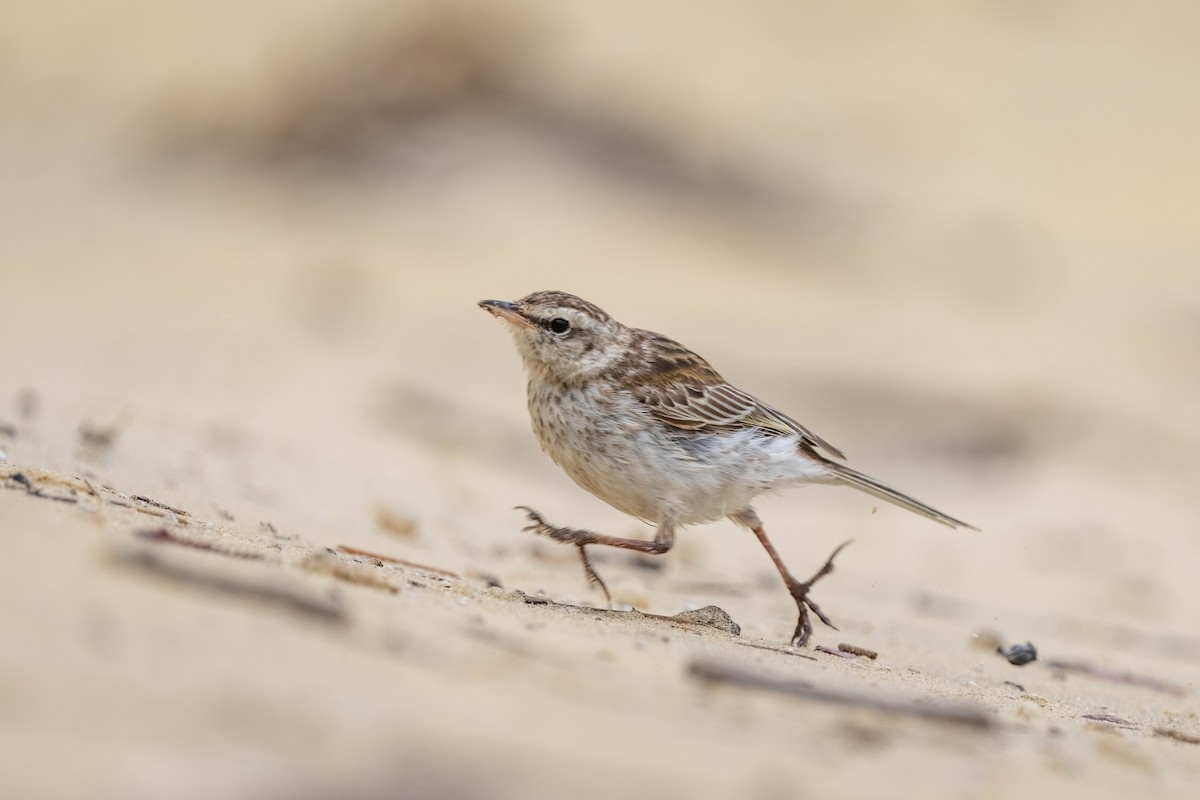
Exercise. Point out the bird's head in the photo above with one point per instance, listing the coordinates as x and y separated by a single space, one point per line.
561 335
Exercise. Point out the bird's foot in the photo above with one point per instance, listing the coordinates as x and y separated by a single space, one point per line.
800 592
565 535
574 536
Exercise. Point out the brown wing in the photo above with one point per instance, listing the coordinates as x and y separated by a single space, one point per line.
682 389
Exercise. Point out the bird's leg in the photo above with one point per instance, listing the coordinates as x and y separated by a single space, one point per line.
663 539
592 576
798 589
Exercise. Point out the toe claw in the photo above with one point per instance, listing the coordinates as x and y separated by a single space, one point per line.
803 632
529 512
537 524
820 614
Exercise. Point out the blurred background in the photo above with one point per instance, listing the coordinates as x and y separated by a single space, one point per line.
957 240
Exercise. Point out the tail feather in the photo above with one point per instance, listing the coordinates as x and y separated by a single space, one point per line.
866 483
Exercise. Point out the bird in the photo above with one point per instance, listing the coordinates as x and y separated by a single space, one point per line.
652 429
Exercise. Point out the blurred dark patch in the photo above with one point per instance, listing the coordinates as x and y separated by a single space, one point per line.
226 438
267 586
27 403
938 606
394 524
341 109
96 440
407 99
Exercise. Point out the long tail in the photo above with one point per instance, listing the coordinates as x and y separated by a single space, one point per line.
881 490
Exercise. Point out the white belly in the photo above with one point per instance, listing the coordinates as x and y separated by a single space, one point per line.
612 447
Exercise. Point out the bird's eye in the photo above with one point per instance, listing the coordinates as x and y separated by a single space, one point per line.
559 325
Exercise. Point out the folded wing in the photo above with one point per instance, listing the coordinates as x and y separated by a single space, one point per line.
683 390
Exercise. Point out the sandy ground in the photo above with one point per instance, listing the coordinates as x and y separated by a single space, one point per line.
260 448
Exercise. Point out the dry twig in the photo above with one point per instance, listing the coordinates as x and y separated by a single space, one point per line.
718 672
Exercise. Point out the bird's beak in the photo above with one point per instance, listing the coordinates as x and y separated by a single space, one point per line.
506 311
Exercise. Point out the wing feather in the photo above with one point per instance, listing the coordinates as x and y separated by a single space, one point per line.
682 389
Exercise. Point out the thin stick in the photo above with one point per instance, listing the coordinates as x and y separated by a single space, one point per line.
1117 676
719 672
354 551
260 586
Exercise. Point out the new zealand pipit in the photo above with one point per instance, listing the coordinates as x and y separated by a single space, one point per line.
649 427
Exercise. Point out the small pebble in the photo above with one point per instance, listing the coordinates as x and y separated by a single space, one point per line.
712 616
1019 654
